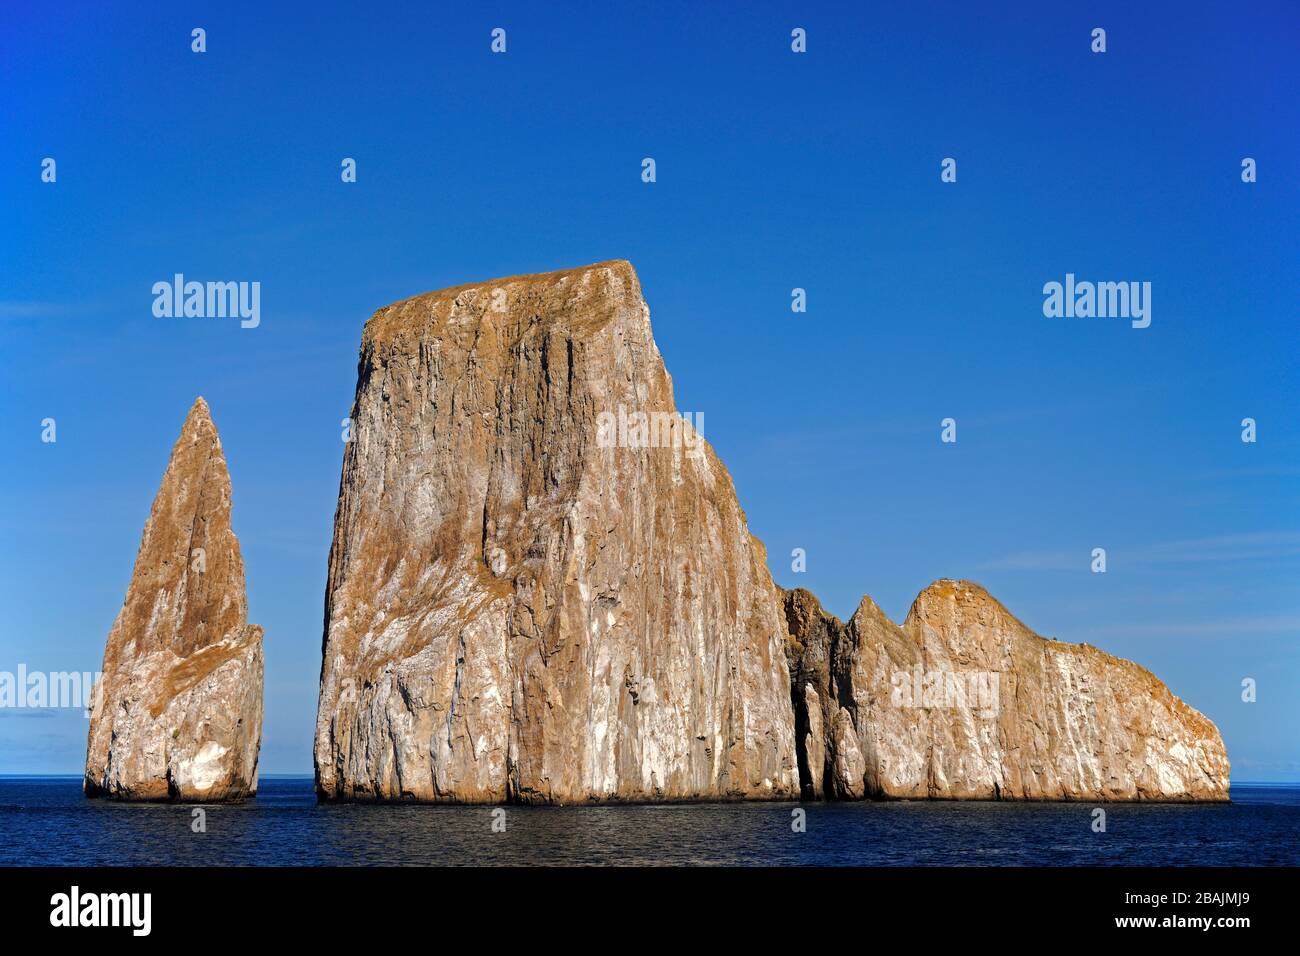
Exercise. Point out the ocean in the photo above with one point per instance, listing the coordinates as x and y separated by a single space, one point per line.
46 821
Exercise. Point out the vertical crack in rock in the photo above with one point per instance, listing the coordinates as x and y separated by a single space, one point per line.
178 711
964 701
519 610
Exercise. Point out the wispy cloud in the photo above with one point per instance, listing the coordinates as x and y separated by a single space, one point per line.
1280 471
1230 548
1233 547
15 311
1202 627
24 310
1037 560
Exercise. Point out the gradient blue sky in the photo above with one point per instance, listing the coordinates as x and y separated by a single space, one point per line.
775 170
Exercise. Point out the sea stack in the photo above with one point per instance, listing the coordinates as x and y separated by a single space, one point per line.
965 702
542 588
177 714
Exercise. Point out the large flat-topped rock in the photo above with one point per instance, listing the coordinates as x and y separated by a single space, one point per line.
584 299
523 602
542 589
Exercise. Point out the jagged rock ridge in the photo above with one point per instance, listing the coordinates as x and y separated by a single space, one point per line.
524 602
177 713
964 701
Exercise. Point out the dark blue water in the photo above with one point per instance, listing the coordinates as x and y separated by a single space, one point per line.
47 821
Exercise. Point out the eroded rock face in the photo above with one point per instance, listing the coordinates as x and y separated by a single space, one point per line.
536 596
524 602
964 701
178 711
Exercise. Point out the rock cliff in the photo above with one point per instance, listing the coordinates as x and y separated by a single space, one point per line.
542 589
177 713
541 586
964 701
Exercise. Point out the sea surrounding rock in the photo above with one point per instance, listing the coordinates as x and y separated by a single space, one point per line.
541 586
177 713
963 701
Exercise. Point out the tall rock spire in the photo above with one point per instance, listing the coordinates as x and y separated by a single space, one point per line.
178 711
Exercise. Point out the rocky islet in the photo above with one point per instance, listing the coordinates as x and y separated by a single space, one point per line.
177 714
542 589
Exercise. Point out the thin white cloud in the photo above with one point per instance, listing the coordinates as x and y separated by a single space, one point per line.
1215 549
1041 560
13 311
1202 627
1279 471
24 310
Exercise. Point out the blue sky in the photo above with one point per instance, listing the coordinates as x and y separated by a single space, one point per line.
774 171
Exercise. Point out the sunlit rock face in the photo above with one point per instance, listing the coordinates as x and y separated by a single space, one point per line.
964 701
177 713
542 589
535 595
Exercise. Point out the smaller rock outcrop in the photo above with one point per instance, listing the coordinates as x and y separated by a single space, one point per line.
965 702
177 713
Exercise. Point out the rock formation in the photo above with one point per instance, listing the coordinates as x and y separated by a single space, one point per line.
541 585
542 589
964 701
177 713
